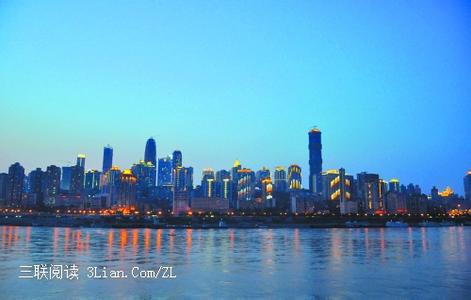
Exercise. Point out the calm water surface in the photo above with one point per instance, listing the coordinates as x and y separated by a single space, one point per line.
244 263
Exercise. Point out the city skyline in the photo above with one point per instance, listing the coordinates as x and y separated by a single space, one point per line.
198 176
390 93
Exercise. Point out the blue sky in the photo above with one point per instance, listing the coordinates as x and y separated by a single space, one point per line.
388 82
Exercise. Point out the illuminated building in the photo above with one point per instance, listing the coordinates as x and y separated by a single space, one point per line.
14 190
447 192
145 174
52 184
207 183
369 192
107 158
281 183
245 186
3 188
467 187
267 193
223 184
110 184
81 161
262 174
338 191
127 190
394 185
92 182
177 159
150 156
294 177
164 177
183 178
315 161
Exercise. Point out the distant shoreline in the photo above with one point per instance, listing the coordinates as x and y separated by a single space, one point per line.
204 222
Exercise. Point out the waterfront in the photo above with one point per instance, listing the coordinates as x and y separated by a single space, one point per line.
224 263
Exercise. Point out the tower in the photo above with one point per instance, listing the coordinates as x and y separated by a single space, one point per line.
315 161
150 153
107 158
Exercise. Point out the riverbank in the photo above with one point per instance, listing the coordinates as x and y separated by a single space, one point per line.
100 221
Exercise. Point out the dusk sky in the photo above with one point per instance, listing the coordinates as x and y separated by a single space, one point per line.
387 82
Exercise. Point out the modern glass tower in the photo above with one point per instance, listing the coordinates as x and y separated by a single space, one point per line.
150 154
177 159
315 161
107 158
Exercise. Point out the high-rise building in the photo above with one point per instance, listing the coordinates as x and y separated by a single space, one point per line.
281 183
81 161
369 192
245 186
110 185
394 185
107 158
467 187
77 180
177 159
127 190
92 182
150 155
52 184
315 161
183 178
223 184
16 177
338 189
262 174
164 177
145 174
294 177
36 186
66 178
267 193
3 189
208 183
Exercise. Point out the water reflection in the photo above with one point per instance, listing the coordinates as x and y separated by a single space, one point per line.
339 261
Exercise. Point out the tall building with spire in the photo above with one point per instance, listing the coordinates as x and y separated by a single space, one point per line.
107 158
315 161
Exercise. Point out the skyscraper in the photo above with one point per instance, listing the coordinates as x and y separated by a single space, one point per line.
394 185
36 186
107 158
281 184
164 177
77 180
177 159
294 177
315 161
207 183
52 184
66 178
92 182
127 190
369 192
467 187
150 153
145 174
16 176
81 161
